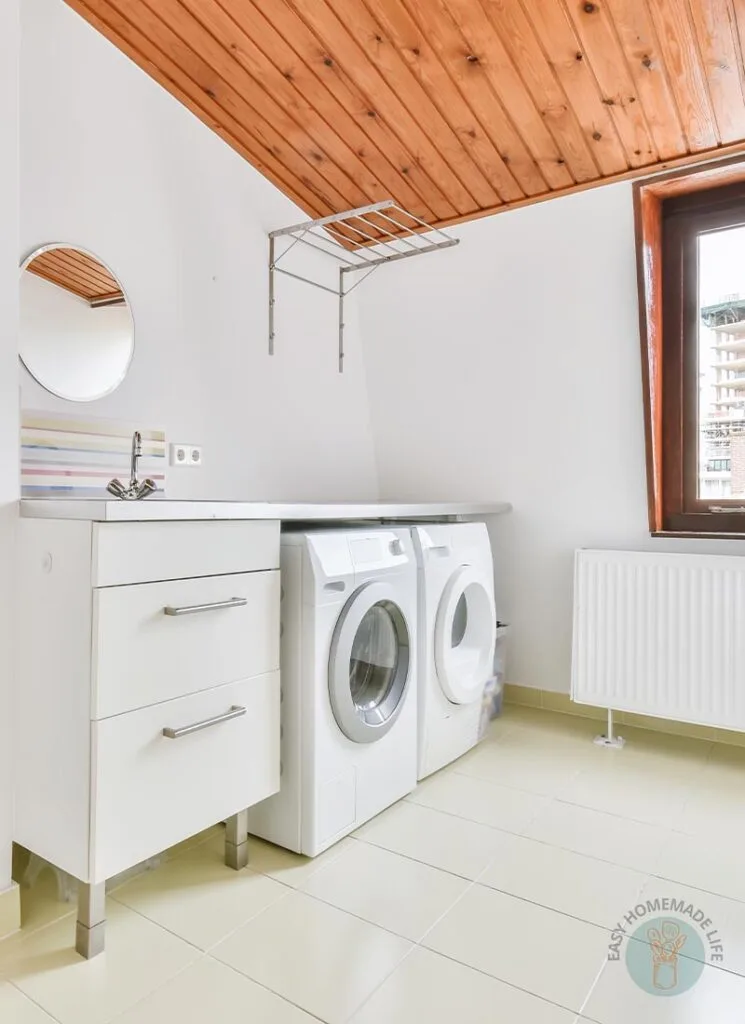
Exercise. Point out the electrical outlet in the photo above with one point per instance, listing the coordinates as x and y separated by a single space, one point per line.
185 454
177 454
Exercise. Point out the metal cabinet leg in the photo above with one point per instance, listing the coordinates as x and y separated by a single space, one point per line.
91 926
236 841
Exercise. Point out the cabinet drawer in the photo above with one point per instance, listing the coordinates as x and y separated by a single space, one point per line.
157 641
150 792
144 552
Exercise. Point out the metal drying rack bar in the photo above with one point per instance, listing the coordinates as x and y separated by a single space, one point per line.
361 240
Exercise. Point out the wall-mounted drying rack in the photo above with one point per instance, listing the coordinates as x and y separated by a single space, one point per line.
361 240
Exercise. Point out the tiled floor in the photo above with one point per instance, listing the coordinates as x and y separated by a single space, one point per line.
488 895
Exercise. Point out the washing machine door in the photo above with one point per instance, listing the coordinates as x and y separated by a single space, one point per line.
369 663
465 634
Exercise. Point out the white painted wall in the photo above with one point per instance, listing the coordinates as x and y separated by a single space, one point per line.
9 472
509 368
113 163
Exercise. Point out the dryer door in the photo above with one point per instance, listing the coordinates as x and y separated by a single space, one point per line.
369 663
465 634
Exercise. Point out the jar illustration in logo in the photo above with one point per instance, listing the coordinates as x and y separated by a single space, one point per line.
666 943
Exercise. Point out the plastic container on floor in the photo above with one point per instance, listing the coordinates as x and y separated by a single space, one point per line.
491 701
67 886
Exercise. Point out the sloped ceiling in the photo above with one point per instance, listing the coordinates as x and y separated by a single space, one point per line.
453 108
78 273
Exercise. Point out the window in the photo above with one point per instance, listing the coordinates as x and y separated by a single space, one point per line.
691 248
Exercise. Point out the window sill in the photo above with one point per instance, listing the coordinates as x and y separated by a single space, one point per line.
696 535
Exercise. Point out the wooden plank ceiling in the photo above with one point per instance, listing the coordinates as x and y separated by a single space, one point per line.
78 273
454 108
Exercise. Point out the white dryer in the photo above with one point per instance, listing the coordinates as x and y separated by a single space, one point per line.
349 700
457 634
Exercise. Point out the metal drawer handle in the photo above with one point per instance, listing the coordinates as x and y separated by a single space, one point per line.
192 609
236 711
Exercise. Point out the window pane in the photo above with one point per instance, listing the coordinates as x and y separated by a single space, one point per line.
721 412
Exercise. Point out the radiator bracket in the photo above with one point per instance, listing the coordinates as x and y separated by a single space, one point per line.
610 739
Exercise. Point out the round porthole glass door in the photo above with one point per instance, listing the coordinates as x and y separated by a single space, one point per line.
369 664
465 634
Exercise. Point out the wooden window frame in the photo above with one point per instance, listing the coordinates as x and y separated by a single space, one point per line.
669 212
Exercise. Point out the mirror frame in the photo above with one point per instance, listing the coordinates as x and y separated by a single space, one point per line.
86 252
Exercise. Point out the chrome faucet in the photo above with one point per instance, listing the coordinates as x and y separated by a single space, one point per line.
135 489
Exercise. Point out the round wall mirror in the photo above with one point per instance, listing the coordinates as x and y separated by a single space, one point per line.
76 332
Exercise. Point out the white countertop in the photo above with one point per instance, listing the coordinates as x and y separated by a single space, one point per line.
162 509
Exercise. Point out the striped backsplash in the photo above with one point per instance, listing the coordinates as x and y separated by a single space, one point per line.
69 456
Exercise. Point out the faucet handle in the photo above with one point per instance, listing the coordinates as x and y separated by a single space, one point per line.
115 487
146 487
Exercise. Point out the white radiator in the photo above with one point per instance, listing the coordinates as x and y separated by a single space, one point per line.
661 635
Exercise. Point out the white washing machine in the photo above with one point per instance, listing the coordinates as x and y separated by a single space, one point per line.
457 634
349 684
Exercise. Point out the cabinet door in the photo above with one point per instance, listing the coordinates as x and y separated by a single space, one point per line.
151 791
157 641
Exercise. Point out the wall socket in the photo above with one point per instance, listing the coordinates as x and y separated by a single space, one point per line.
185 454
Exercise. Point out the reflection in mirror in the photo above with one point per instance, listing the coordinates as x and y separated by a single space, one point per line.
76 333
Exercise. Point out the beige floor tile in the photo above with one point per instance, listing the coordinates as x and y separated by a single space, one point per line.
717 997
316 956
197 897
208 992
662 756
550 725
538 950
527 764
397 893
597 834
559 747
556 733
638 795
139 957
196 840
723 773
287 867
40 903
727 919
715 813
703 864
716 803
431 989
479 800
441 840
592 890
16 1008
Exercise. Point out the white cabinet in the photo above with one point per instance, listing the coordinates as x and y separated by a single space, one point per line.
148 691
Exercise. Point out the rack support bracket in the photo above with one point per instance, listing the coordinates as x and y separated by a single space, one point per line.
361 240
